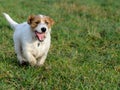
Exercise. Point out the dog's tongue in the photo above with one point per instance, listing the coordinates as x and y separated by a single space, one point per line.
40 36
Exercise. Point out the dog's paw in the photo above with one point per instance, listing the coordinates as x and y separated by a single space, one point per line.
32 63
39 65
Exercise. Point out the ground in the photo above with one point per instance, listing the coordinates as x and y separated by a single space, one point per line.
85 47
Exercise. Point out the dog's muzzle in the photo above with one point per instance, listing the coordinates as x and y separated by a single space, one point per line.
40 35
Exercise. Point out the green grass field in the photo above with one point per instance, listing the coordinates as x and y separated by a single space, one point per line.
85 48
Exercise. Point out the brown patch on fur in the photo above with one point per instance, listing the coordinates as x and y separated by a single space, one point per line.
33 21
49 21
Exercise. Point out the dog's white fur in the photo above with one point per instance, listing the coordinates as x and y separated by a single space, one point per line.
27 47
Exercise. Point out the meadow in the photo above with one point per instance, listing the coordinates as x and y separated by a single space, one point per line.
85 47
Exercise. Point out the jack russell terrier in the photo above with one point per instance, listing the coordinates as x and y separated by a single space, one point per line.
32 38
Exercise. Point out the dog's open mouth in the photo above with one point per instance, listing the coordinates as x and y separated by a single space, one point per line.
40 36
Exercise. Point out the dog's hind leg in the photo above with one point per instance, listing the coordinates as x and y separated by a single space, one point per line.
18 50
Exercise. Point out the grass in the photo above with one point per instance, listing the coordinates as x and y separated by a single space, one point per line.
85 49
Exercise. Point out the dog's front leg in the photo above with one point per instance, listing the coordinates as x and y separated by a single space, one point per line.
41 60
30 58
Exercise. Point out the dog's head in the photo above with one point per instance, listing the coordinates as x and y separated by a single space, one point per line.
41 25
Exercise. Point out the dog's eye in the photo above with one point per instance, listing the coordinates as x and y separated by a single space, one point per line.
47 22
37 22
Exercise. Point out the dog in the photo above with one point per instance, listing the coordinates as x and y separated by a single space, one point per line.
32 38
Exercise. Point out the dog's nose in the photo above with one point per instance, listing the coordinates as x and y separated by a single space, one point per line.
43 29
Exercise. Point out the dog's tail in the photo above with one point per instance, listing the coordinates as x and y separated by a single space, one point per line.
12 23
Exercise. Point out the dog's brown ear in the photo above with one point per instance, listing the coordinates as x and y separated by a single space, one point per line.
30 19
50 21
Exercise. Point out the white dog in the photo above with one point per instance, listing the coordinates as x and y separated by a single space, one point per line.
32 38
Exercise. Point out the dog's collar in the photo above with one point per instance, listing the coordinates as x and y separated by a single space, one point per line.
38 44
